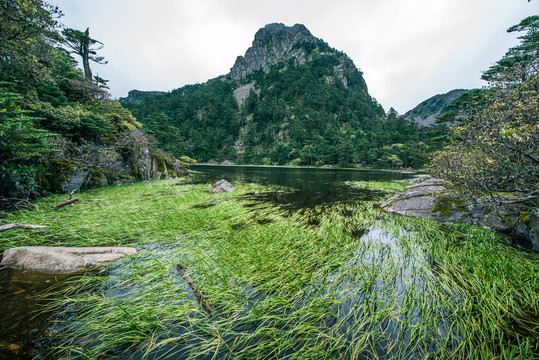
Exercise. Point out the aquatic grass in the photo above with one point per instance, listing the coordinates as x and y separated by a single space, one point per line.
344 281
385 186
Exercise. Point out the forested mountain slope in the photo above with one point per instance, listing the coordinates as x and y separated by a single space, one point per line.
427 111
292 99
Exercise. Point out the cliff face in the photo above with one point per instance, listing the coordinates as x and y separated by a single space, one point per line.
277 43
272 43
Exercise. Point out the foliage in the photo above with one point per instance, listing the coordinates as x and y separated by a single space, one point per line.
521 61
495 148
43 93
22 145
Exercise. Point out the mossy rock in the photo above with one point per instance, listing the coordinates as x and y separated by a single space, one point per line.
54 174
446 205
524 218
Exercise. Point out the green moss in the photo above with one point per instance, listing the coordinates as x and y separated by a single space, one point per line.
135 172
54 174
524 218
93 180
447 205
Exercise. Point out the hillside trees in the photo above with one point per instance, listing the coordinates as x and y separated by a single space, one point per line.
496 146
301 114
52 118
22 144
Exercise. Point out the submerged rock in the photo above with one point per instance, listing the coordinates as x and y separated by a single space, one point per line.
222 186
62 259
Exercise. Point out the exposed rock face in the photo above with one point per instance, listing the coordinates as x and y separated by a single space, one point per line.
241 93
75 180
272 43
534 228
222 186
430 199
63 260
276 43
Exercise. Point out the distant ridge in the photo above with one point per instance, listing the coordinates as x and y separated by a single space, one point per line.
427 111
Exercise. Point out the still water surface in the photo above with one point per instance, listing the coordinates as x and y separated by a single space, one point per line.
307 187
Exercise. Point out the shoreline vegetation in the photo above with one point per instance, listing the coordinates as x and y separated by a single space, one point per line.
328 167
340 281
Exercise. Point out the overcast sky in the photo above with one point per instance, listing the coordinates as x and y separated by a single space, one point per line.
408 50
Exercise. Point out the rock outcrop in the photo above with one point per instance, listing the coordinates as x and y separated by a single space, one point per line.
272 43
63 260
430 199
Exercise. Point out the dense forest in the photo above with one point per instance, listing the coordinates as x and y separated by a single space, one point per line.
54 117
312 113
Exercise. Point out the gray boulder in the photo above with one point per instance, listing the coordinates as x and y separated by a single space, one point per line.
222 186
63 260
430 199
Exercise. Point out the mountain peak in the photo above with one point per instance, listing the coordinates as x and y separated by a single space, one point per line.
273 43
279 29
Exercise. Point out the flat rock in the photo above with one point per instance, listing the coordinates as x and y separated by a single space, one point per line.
222 186
414 191
408 206
61 259
428 182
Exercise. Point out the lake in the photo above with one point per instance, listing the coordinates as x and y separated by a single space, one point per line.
301 187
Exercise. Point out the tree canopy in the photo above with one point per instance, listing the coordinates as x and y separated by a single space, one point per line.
50 113
495 148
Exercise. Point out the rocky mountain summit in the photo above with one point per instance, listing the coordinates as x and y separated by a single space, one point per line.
276 43
273 43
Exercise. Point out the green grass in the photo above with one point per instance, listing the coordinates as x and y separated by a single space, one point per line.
355 283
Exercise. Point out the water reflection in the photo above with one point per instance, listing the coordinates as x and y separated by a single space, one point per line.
300 187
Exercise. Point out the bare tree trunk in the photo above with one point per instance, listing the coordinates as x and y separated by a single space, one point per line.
85 47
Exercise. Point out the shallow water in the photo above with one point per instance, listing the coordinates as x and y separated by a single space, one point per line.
298 188
25 330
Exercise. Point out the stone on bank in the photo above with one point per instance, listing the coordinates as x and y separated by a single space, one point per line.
61 259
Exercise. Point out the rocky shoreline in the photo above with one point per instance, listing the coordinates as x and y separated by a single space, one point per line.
433 200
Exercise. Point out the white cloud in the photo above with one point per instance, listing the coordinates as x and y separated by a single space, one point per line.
408 50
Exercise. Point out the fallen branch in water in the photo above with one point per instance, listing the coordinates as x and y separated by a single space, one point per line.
64 203
71 200
17 225
201 299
